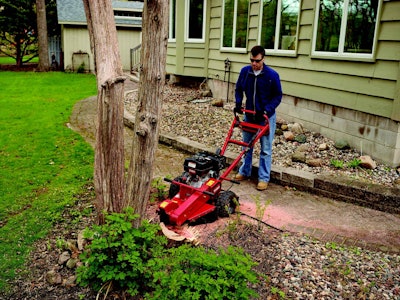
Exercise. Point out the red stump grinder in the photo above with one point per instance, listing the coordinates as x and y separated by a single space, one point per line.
198 192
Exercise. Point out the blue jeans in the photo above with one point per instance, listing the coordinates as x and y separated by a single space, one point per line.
264 168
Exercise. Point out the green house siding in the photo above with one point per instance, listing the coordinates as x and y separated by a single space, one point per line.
354 87
368 86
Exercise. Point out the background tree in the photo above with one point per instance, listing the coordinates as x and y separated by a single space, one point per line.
148 115
42 36
18 28
18 38
109 148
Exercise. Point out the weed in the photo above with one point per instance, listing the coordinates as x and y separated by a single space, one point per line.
277 291
161 190
61 244
338 164
333 246
81 297
356 250
355 163
81 68
260 209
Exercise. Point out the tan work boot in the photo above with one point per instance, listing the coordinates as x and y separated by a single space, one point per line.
240 177
262 185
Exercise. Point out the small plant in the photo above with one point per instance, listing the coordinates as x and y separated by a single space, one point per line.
355 163
160 188
355 250
334 246
81 68
61 244
338 164
277 291
260 209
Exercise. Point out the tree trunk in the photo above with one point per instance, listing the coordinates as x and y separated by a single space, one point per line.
42 36
109 148
148 115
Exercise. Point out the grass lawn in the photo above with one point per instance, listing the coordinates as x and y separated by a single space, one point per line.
6 60
43 163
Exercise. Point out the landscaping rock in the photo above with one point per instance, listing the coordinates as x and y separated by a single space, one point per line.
284 127
315 162
297 128
217 103
72 262
64 257
323 147
53 278
278 132
299 157
367 162
342 144
303 148
289 136
300 138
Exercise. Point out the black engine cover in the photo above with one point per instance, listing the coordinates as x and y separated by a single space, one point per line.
203 162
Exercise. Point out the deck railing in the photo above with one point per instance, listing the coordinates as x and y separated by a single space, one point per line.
135 59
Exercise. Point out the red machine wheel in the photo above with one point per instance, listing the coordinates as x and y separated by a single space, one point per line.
226 203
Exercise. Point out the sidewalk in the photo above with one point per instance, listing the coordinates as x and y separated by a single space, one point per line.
294 201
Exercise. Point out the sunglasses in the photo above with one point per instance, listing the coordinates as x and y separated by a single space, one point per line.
255 60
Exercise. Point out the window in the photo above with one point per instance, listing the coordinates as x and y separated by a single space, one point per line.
279 23
235 19
345 28
172 19
195 20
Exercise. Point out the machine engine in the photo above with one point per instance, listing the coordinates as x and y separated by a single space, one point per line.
201 167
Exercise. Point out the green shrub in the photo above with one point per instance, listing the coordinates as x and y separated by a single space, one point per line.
198 273
138 261
118 253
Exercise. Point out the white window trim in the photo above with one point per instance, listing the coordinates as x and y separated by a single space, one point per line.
171 22
233 49
277 31
187 12
340 54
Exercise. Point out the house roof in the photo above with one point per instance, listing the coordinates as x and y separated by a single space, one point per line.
72 12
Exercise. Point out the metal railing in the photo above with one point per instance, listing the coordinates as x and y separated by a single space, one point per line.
135 59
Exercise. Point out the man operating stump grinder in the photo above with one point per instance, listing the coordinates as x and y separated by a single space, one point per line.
262 87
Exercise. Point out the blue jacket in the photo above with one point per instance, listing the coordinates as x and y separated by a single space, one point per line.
263 92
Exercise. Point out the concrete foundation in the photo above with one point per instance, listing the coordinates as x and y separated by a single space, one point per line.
372 135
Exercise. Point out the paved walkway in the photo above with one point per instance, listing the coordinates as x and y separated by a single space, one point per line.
284 207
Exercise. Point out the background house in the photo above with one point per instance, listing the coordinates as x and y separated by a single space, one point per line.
75 42
338 61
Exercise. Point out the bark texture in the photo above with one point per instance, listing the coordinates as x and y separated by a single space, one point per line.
148 116
109 148
44 63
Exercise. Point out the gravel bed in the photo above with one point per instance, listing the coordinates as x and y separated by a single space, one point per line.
186 113
299 267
